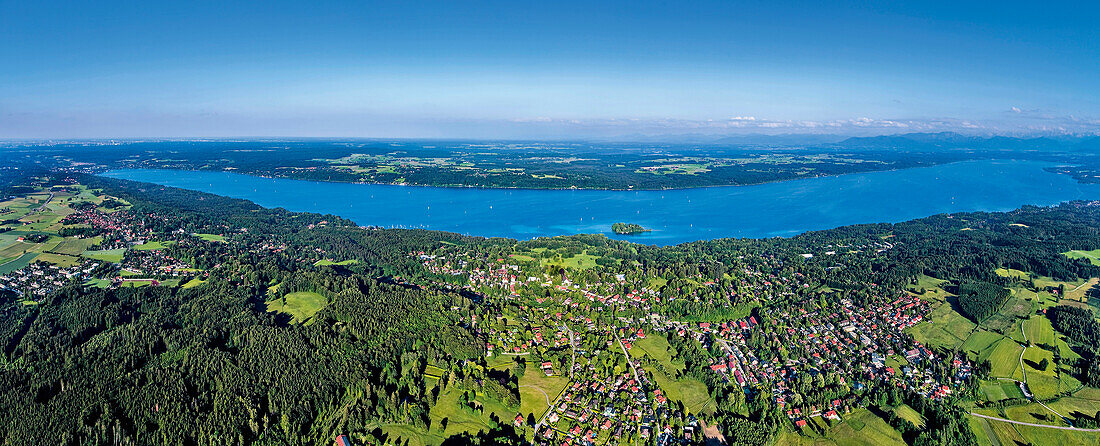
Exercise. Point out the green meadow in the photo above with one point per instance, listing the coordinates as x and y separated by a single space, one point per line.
329 262
109 255
211 237
152 246
1093 256
301 305
861 427
579 261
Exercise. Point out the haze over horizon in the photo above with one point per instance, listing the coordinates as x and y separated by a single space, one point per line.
546 71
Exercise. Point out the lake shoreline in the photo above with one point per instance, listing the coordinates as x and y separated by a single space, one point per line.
459 186
766 210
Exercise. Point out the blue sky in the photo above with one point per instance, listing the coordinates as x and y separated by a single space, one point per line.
562 69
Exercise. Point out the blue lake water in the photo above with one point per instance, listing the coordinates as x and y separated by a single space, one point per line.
765 210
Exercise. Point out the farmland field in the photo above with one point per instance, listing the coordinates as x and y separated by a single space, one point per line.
980 341
944 327
997 390
73 246
1004 358
17 263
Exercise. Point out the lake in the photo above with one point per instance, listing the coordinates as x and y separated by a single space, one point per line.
765 210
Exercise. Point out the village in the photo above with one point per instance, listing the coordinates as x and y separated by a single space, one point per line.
833 347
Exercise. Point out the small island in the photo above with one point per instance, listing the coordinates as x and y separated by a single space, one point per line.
628 228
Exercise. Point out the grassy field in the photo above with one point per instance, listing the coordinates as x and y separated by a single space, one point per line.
1039 435
72 246
211 237
579 261
19 248
193 283
409 436
1018 307
655 283
532 385
1004 357
980 341
689 391
1043 383
945 327
521 257
301 305
1093 256
997 390
657 348
905 412
151 246
460 419
18 263
994 433
861 427
933 289
109 255
1039 330
63 261
1013 273
328 262
1085 402
98 283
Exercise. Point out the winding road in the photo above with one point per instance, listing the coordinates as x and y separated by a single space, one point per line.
1033 424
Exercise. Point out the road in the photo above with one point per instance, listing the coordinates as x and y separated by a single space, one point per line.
1024 371
637 377
551 406
48 200
1086 282
549 410
1033 424
573 345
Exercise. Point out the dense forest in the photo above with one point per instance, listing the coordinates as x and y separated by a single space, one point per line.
979 300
